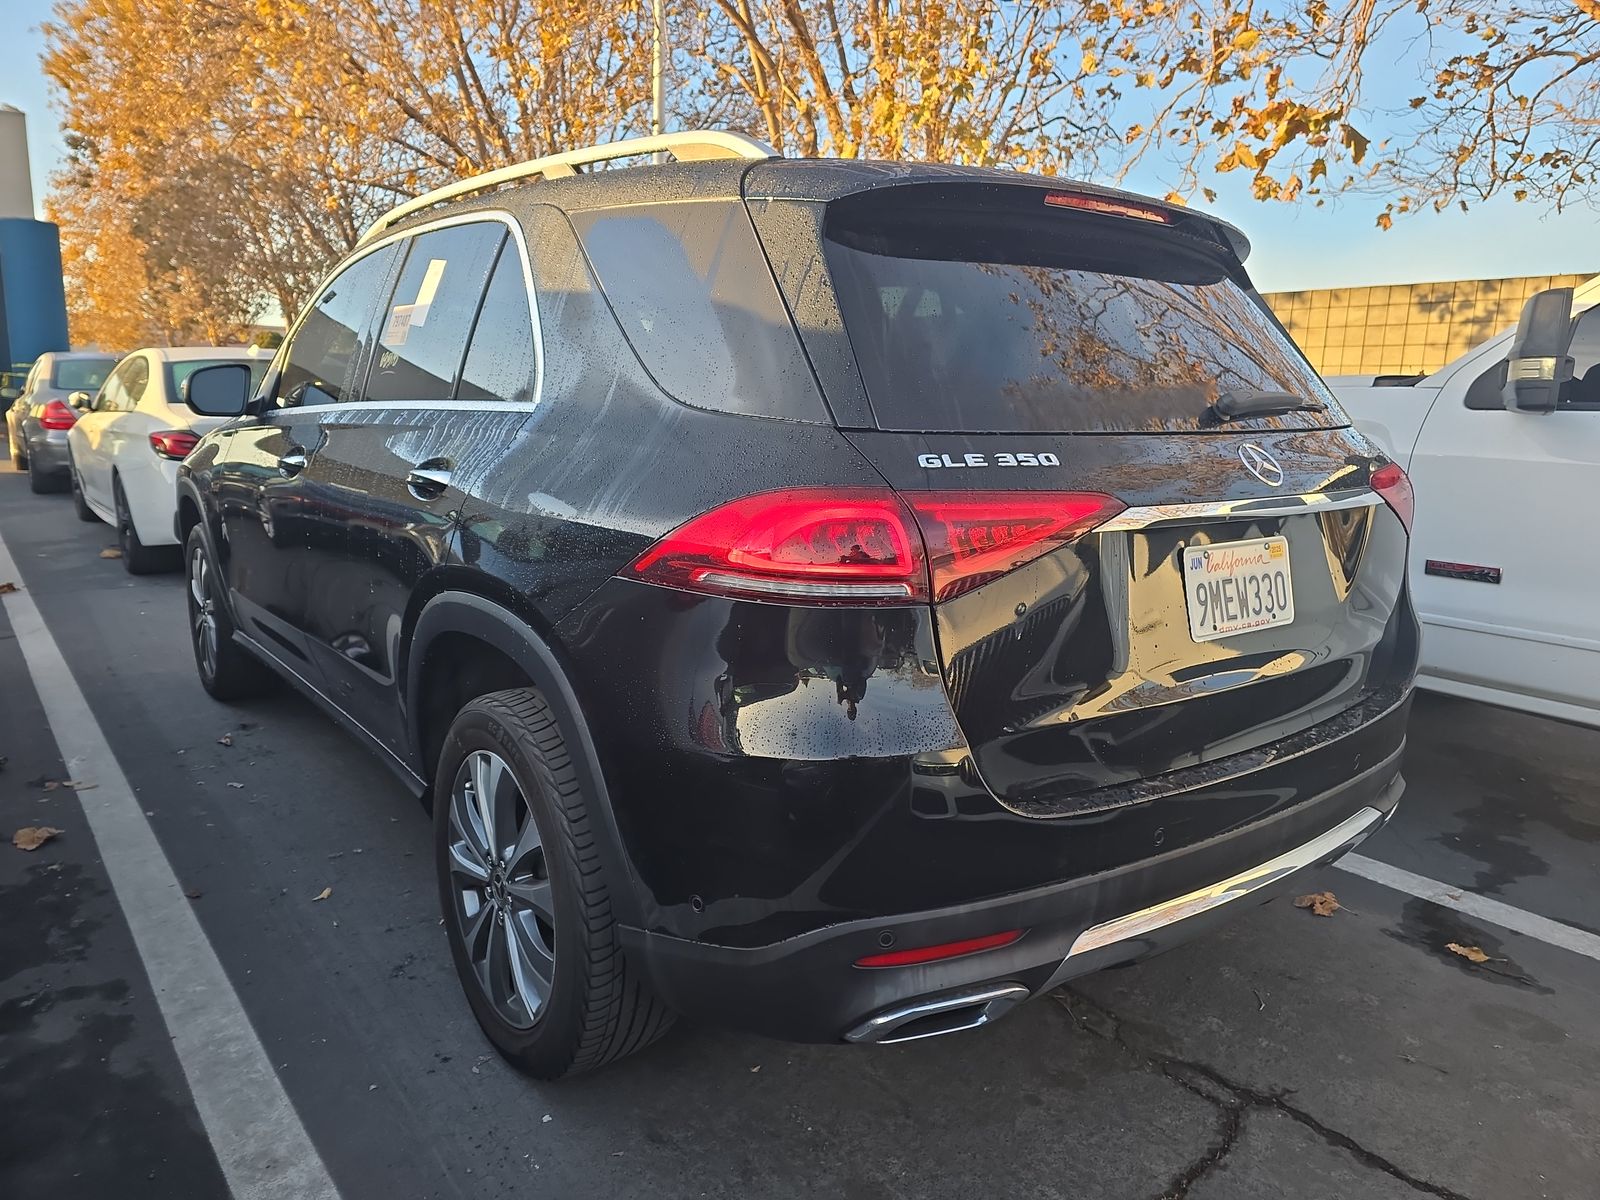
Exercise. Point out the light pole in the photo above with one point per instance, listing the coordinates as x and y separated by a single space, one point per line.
658 70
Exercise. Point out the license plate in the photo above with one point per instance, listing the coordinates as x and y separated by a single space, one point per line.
1237 587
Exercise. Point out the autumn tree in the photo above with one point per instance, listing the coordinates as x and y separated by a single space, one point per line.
223 153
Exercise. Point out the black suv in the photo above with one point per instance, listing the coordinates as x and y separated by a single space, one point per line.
836 599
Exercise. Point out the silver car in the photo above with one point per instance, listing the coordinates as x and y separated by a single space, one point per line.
58 387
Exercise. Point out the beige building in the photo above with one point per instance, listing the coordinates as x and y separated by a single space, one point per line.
1407 329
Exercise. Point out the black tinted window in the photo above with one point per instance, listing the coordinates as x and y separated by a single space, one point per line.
502 361
696 298
326 350
423 334
995 321
81 374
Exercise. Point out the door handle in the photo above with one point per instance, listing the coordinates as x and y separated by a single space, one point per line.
292 463
428 480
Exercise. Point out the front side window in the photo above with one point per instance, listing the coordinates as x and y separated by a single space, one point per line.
422 335
113 394
327 348
502 359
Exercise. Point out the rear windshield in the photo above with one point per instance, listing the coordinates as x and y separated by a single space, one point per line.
81 374
996 319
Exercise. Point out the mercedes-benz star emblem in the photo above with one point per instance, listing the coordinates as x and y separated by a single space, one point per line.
1261 464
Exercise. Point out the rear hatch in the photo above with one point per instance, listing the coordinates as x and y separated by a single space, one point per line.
1039 362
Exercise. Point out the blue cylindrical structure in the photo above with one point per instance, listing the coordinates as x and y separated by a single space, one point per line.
33 302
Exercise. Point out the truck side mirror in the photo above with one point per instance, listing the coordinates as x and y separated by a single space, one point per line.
1538 363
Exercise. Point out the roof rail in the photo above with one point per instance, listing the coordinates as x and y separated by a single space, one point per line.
696 144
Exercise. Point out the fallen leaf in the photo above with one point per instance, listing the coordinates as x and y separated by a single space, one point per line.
79 785
7 588
322 895
755 1068
234 785
111 552
1323 904
1470 953
193 893
225 740
31 837
546 1119
51 785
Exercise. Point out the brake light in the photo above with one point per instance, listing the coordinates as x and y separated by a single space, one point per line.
1109 206
973 537
846 546
57 415
866 545
926 954
174 443
1394 485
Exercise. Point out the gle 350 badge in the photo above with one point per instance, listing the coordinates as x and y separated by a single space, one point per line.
1003 459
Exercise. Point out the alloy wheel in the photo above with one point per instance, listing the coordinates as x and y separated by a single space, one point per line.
500 893
202 611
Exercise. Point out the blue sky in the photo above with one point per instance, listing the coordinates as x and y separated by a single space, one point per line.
1296 246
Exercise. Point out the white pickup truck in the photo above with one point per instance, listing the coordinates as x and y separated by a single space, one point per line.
1503 449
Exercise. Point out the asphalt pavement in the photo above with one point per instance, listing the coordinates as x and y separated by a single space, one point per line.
1289 1055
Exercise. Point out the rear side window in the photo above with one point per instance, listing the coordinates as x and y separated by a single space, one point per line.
1009 316
327 348
502 359
694 294
81 374
422 337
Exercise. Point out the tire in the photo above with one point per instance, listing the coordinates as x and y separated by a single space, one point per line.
588 1008
227 670
137 558
79 504
41 484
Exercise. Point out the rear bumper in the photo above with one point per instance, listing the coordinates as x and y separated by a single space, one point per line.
48 453
807 988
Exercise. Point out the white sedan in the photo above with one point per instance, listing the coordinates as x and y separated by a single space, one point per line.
128 442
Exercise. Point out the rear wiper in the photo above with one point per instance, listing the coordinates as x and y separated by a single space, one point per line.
1245 402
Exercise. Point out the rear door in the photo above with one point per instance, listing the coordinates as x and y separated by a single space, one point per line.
405 466
1036 369
93 437
1504 609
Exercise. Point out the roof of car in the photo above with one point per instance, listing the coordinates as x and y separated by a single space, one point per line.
813 179
189 353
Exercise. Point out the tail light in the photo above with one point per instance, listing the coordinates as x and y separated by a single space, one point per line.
174 444
973 537
1109 205
1394 485
57 415
866 545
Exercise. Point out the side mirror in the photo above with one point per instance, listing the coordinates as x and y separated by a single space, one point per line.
80 401
222 390
1538 363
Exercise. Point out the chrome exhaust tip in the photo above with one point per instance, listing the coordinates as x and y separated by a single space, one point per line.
944 1014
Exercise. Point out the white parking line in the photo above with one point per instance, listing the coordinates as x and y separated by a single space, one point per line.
263 1148
1579 941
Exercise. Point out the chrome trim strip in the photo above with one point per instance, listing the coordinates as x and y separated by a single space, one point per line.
1342 836
990 1004
1145 516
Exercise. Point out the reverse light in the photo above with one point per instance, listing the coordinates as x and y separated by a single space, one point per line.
1108 206
57 415
1394 485
869 546
927 954
173 444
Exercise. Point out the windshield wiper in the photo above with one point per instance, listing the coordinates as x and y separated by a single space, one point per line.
1245 402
